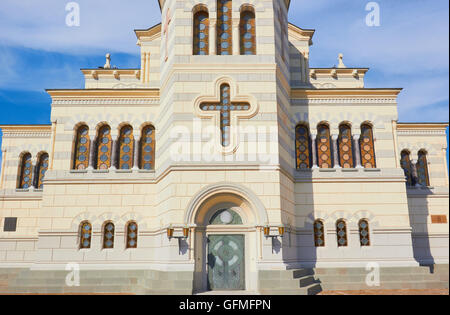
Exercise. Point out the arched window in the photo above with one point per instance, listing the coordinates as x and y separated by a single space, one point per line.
364 234
126 148
104 148
132 235
302 146
26 172
324 147
405 163
201 33
82 148
224 27
367 147
42 169
345 146
248 32
319 233
108 235
422 169
341 230
85 235
148 145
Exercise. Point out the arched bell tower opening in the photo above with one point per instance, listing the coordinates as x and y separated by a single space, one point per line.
227 239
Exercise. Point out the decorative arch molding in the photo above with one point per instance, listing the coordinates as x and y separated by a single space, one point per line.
195 204
352 219
415 148
212 5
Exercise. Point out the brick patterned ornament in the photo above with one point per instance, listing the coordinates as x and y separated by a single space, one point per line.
82 149
324 147
248 33
201 33
148 145
346 147
126 148
224 27
104 148
367 147
302 144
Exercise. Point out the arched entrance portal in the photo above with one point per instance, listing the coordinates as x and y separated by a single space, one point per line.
227 239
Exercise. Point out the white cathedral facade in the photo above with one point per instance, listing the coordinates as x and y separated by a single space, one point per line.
225 162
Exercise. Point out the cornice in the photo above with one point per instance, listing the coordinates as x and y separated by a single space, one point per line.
104 93
109 102
26 131
344 93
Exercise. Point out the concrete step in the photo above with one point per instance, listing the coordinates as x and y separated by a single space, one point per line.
309 290
393 285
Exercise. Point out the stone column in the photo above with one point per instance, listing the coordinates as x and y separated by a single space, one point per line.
114 149
336 161
136 154
236 39
92 153
357 150
34 176
314 151
212 37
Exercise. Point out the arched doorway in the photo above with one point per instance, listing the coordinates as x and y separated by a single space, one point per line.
227 241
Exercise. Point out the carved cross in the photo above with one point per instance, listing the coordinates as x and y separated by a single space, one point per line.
225 107
166 32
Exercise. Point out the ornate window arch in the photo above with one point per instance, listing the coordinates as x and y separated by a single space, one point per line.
247 29
224 27
42 168
148 148
364 232
85 235
108 235
81 148
423 177
25 172
319 233
132 234
405 163
346 146
126 148
324 146
367 146
201 32
341 231
104 148
303 147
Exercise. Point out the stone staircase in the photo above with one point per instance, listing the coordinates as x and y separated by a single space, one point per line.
289 282
392 278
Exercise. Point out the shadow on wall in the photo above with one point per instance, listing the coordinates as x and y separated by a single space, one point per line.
418 214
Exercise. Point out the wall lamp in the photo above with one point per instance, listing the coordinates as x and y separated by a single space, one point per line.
281 231
171 230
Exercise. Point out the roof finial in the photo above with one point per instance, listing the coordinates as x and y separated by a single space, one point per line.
108 61
341 61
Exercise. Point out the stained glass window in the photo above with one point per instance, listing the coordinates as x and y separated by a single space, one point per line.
132 235
302 144
26 172
148 145
126 148
42 169
82 148
201 33
248 33
319 233
225 107
224 27
104 148
341 230
85 235
422 169
405 163
364 235
324 147
367 147
345 146
108 235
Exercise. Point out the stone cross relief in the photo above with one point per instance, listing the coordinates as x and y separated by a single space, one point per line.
225 108
166 33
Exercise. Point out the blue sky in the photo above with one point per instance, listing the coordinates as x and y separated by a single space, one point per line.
38 50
